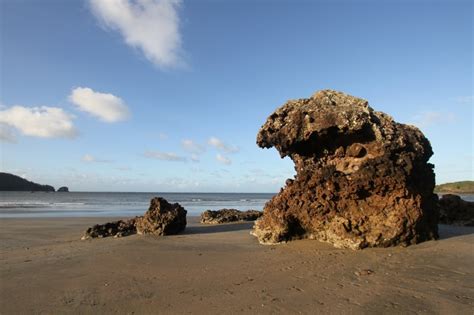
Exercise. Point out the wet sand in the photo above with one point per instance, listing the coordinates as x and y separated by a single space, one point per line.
46 269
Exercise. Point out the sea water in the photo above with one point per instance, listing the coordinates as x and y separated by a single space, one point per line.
123 204
107 204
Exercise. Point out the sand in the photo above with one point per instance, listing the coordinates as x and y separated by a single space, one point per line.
46 269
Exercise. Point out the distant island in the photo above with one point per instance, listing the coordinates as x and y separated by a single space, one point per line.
464 187
10 182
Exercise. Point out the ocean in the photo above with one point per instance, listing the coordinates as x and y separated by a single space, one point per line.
111 204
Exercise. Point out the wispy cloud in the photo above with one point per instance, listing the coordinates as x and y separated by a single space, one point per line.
223 160
429 118
162 136
220 145
152 26
43 122
107 107
92 159
164 156
465 99
192 146
6 134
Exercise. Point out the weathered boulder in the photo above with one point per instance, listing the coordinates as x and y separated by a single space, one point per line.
117 229
162 218
63 189
362 179
456 211
229 215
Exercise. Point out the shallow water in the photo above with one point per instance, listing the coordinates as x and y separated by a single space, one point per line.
86 204
94 204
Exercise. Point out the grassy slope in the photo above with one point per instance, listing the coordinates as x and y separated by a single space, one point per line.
464 187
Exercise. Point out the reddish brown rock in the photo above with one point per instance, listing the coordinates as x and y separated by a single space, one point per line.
162 218
362 179
117 229
228 215
453 210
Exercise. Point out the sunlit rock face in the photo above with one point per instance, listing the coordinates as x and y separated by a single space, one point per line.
362 179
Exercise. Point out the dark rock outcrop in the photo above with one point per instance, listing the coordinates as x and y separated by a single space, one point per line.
453 210
10 182
229 215
63 189
162 218
362 179
117 229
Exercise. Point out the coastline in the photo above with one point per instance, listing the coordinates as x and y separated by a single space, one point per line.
222 269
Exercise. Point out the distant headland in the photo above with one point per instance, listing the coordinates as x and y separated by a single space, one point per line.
11 182
463 187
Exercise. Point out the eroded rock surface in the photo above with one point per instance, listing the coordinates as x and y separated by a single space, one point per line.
362 179
454 210
117 229
162 218
228 215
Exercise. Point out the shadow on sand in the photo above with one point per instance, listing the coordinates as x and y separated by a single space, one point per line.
449 231
218 228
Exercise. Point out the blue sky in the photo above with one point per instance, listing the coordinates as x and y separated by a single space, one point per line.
110 95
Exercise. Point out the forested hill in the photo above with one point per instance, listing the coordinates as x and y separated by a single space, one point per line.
10 182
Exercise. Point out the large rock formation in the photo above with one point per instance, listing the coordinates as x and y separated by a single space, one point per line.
362 179
162 218
454 210
228 215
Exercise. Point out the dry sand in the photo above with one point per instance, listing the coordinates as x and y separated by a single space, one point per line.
46 269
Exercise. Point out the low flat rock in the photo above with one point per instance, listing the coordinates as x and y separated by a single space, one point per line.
229 215
116 229
456 211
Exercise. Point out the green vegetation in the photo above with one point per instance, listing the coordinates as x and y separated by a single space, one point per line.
464 187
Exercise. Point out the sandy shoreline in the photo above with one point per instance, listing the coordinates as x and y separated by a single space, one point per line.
222 269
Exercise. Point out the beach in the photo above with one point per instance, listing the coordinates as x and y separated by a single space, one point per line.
217 269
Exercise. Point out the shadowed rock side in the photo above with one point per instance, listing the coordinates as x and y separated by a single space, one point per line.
162 218
453 210
228 215
362 179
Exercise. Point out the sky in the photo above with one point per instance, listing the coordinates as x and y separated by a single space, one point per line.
168 95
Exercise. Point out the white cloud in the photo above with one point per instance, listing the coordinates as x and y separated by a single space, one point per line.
191 146
429 118
107 107
152 26
163 136
44 122
6 134
222 159
195 157
164 156
91 159
219 144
